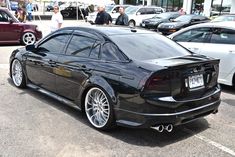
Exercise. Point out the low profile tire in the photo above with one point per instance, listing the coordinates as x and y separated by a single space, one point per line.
17 74
99 109
28 38
131 23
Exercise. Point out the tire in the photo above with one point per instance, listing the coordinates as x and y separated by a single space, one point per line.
28 38
99 109
17 74
131 23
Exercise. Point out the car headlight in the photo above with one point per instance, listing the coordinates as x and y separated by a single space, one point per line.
171 26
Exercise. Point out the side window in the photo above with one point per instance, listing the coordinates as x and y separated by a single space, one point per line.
4 17
194 35
157 10
95 51
111 53
223 36
55 44
150 11
80 46
141 11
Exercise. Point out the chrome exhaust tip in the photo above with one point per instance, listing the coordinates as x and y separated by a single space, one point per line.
169 128
159 128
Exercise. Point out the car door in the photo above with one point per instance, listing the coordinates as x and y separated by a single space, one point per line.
10 32
42 63
193 39
222 46
75 67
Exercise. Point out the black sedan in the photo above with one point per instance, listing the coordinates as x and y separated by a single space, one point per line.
181 22
152 23
120 76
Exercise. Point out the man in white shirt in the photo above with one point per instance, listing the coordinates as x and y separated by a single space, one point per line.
56 19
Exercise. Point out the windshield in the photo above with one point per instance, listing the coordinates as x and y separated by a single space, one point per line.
183 18
162 16
144 47
131 10
108 8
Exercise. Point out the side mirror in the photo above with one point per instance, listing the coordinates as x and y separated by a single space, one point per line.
138 13
31 48
11 20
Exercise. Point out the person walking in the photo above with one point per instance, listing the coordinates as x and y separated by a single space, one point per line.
122 18
102 17
56 19
29 9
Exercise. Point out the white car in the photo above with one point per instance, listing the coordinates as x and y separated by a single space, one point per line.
215 40
137 14
113 10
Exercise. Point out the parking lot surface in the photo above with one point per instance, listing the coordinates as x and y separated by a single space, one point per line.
32 124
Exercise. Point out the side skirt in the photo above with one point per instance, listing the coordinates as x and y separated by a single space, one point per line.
53 95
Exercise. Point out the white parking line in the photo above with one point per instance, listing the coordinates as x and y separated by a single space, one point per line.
4 66
215 144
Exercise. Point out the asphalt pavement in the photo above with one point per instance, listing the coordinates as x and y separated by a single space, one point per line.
32 124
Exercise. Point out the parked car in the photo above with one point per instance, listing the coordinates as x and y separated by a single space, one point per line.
215 40
181 22
152 23
14 5
72 11
113 10
12 31
137 14
229 17
118 75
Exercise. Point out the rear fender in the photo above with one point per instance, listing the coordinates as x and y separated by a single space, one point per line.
96 81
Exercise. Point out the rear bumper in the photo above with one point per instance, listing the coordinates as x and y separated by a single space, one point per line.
175 116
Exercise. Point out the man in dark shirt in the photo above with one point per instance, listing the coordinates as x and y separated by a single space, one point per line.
122 18
102 17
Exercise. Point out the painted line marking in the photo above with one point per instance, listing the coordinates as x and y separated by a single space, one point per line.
213 143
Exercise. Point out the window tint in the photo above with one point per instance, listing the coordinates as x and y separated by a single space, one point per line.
55 44
111 53
95 51
194 35
141 11
4 17
80 46
150 11
148 46
223 36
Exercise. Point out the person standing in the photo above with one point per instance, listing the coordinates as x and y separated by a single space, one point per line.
56 19
102 17
122 18
21 14
29 9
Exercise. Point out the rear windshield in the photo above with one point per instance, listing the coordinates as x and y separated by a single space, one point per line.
148 46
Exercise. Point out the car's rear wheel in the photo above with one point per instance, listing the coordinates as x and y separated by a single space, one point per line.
99 109
131 23
17 74
28 38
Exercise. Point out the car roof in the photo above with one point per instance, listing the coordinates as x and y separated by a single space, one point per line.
110 30
141 6
225 24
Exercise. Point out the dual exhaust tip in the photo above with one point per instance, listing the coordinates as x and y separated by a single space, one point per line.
161 128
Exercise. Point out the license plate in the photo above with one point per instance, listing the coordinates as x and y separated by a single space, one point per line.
196 81
143 24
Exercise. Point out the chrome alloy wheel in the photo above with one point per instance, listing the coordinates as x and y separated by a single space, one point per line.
29 38
17 73
97 107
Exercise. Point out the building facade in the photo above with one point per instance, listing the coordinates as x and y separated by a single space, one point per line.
204 7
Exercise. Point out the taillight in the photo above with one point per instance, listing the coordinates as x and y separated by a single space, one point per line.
158 82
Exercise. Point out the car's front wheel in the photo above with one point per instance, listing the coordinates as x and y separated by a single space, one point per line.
17 74
99 109
28 38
